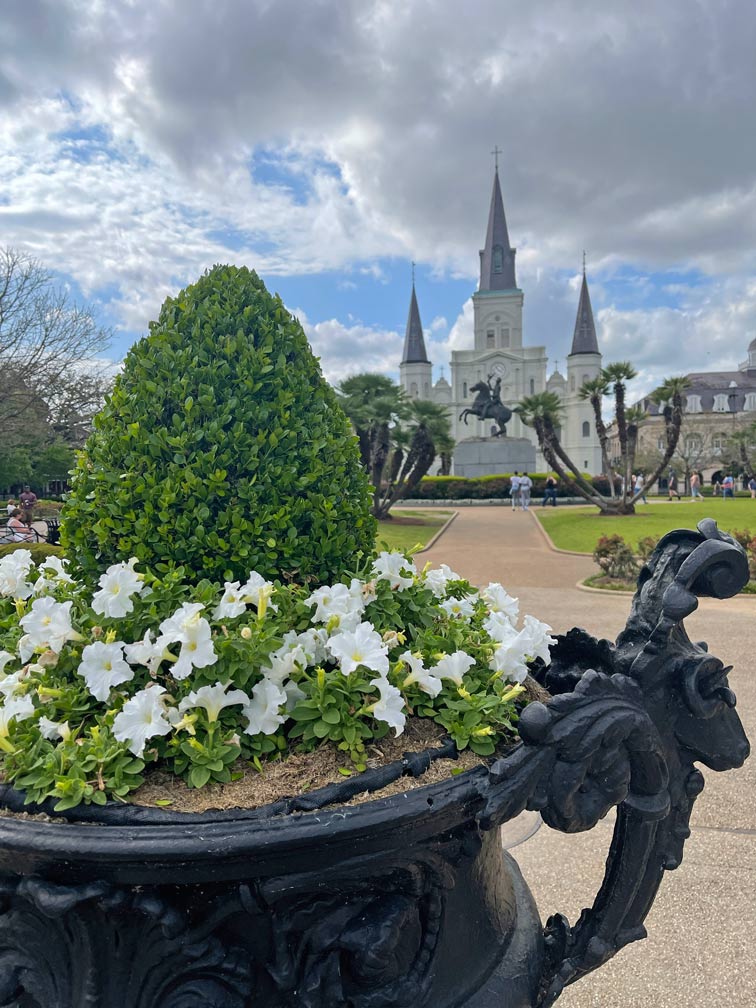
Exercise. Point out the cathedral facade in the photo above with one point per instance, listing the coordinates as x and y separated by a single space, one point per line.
501 361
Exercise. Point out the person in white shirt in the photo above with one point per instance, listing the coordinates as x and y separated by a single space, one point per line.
526 485
514 490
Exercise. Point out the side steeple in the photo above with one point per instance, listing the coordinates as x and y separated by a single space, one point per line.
584 338
414 344
497 259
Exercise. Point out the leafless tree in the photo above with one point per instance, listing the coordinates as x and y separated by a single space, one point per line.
48 346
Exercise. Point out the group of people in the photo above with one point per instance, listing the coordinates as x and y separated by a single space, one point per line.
520 486
21 516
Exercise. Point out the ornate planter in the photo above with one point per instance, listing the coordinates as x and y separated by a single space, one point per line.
404 900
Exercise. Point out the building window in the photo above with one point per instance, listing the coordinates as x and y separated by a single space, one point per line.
464 390
498 259
721 404
505 337
586 378
413 390
693 404
750 401
490 338
426 390
585 465
661 444
692 443
586 429
718 443
532 386
572 383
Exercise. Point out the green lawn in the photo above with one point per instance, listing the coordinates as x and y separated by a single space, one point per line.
412 528
579 528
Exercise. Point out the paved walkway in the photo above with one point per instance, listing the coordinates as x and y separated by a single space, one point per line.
700 949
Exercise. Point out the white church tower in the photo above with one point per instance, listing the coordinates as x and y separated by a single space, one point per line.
579 437
415 368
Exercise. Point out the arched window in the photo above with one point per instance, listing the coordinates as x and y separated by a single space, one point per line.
532 386
498 259
490 338
586 429
750 401
413 389
464 390
426 390
505 337
586 378
572 383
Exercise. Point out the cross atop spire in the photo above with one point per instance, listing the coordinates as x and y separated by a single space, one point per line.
413 271
583 262
496 151
497 259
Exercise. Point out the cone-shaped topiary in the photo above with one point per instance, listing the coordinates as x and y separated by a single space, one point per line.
221 449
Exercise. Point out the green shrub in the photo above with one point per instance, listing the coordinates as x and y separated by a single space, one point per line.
615 558
39 550
646 546
221 449
494 487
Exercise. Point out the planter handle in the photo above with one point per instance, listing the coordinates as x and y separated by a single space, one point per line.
624 729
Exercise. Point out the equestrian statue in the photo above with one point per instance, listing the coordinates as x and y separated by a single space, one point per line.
487 405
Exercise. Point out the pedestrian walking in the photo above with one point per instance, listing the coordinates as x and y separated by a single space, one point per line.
549 492
514 490
526 485
728 487
695 486
752 487
672 487
638 484
28 500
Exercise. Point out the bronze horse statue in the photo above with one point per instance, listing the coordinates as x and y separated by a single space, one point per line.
487 405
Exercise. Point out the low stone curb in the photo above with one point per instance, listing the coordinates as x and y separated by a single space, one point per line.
551 545
485 502
603 591
438 534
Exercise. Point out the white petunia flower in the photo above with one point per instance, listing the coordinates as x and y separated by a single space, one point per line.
258 591
364 591
53 730
438 578
5 657
145 652
393 567
458 608
48 625
25 648
232 602
262 712
334 600
102 667
14 571
281 664
214 699
453 666
53 573
293 694
142 717
390 707
499 600
499 627
118 584
419 674
536 639
11 684
314 643
19 708
192 631
362 646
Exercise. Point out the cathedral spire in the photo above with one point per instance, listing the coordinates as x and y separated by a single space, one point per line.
584 338
497 259
414 344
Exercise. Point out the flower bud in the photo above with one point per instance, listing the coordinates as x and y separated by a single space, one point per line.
246 632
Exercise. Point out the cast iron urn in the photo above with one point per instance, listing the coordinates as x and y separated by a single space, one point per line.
404 900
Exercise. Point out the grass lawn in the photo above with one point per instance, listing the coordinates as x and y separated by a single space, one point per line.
579 528
410 528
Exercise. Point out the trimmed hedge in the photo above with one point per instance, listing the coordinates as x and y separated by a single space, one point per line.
221 449
490 487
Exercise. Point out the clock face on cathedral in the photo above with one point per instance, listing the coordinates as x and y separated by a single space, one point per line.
499 369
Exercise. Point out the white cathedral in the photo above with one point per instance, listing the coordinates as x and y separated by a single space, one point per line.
499 353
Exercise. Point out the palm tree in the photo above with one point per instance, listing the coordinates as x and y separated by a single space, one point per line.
669 396
436 419
635 416
617 375
542 412
739 445
594 391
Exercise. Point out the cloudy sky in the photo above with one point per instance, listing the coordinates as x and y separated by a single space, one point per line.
327 143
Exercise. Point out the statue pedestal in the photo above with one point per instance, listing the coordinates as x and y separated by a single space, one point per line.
491 456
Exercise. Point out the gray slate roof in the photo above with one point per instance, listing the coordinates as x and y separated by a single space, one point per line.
414 344
708 384
497 259
584 338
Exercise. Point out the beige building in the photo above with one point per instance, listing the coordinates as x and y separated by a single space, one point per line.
716 405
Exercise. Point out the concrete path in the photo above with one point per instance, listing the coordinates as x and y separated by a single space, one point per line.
700 952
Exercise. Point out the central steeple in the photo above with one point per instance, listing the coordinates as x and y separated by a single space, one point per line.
584 337
497 259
